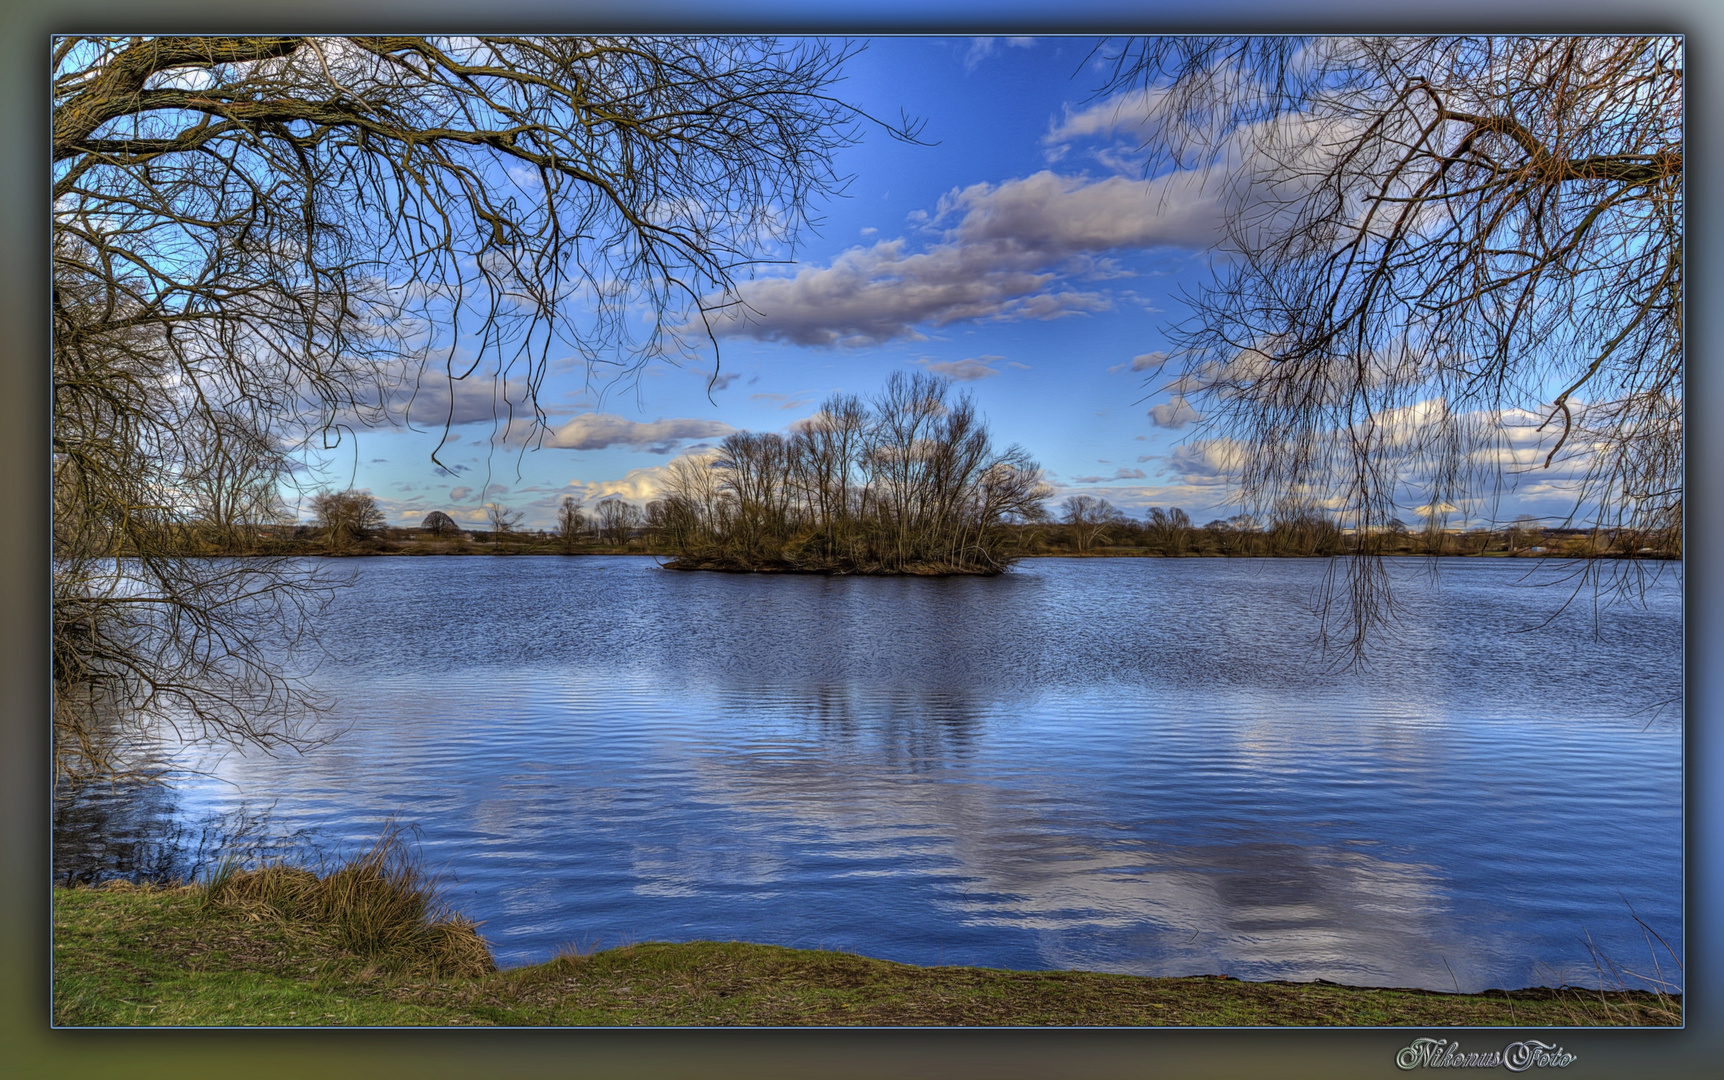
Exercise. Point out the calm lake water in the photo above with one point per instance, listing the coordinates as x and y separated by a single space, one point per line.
1131 765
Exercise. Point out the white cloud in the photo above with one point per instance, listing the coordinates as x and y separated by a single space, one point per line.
1141 362
1208 462
637 485
983 47
1064 215
436 400
1505 472
1442 510
469 515
779 401
1009 256
967 370
980 49
875 294
1201 502
1127 114
457 494
1175 414
595 431
1121 474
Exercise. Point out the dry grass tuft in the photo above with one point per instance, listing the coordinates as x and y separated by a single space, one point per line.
380 905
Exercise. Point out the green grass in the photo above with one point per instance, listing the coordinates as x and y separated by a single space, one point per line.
227 955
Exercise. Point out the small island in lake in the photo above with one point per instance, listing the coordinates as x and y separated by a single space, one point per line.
908 483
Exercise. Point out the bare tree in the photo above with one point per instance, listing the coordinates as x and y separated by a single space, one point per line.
504 522
697 506
1088 517
153 638
1429 243
1171 529
911 484
617 519
755 471
570 523
825 457
346 516
231 476
296 232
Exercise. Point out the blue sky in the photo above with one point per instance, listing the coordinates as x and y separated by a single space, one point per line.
1022 251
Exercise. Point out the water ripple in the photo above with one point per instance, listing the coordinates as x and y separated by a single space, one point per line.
1121 765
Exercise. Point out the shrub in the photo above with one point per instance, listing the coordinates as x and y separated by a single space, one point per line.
379 905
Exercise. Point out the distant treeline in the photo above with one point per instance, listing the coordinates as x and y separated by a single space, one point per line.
615 526
618 527
906 483
909 482
1087 525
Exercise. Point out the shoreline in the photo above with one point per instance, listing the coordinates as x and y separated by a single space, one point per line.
480 552
129 955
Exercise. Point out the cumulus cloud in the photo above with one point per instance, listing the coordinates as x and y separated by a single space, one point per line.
1065 215
1141 362
595 431
436 400
1512 452
968 369
875 294
1175 413
1202 503
1523 447
1208 462
457 494
637 485
1121 474
1126 115
1437 509
779 401
1257 177
1014 252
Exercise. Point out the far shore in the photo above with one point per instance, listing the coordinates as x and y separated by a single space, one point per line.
412 549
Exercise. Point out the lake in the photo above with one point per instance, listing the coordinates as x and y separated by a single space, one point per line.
1127 765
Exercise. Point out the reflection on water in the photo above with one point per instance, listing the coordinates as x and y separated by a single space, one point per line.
140 832
1119 765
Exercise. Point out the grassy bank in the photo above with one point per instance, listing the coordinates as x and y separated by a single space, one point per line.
286 951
